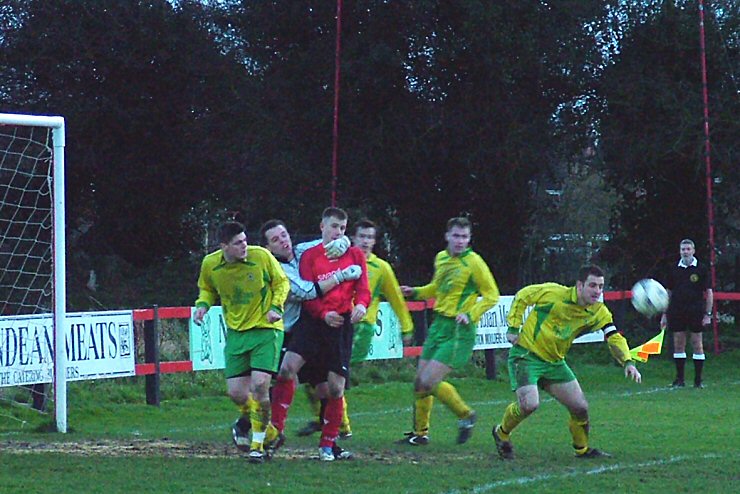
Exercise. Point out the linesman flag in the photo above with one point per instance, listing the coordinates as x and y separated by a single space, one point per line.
651 347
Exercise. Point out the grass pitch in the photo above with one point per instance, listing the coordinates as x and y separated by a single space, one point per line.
663 440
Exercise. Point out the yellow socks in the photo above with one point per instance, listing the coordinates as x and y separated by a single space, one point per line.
448 395
579 431
512 417
422 413
271 433
259 417
245 408
345 427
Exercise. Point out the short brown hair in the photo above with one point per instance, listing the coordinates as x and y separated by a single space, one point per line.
332 212
229 230
363 223
269 225
589 270
460 222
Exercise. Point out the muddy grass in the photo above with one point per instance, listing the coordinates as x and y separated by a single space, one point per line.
179 449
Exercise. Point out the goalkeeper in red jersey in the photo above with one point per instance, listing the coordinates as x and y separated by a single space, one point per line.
325 335
464 290
537 358
383 286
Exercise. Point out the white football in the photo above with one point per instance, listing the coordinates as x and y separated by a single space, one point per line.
649 297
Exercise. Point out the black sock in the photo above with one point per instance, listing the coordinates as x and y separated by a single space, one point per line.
698 367
244 423
680 366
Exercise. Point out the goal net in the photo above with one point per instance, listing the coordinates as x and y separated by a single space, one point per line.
32 268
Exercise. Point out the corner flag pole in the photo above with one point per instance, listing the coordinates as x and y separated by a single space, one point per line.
708 167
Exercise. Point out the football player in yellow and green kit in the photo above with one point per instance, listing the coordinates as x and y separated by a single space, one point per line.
252 288
383 286
537 358
464 290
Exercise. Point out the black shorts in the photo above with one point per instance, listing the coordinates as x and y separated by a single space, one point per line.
309 372
325 349
684 320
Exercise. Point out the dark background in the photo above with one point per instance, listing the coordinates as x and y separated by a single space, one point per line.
568 132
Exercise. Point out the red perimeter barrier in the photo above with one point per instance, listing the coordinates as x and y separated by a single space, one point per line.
411 351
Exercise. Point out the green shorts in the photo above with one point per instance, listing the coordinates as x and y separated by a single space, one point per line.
449 342
253 349
364 332
527 368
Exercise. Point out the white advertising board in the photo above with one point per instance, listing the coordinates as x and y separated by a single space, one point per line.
98 345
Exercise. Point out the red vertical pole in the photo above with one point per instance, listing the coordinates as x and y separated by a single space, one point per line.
335 131
708 167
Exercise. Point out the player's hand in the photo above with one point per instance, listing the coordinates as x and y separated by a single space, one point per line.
273 316
663 321
407 338
631 372
199 314
349 273
462 319
513 338
358 313
333 319
337 248
407 290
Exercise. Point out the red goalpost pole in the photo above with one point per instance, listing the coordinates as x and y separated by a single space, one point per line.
708 167
335 130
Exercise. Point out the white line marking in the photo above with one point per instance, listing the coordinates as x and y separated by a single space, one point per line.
593 471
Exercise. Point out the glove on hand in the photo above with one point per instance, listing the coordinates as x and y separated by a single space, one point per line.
337 248
349 273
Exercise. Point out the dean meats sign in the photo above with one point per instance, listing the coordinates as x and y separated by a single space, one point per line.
98 345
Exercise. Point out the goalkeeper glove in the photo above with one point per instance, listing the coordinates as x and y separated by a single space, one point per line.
349 273
337 248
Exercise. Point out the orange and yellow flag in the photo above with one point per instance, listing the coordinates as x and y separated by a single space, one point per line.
651 347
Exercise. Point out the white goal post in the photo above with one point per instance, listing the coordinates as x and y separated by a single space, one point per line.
24 158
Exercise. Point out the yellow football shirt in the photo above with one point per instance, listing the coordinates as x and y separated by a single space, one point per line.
556 319
461 284
384 285
247 289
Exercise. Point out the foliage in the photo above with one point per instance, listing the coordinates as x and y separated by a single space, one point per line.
141 86
181 114
652 140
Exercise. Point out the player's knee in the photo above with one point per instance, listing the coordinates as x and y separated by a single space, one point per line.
285 373
580 410
528 407
238 396
423 384
261 391
335 391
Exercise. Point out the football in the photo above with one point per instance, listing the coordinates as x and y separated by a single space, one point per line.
649 297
